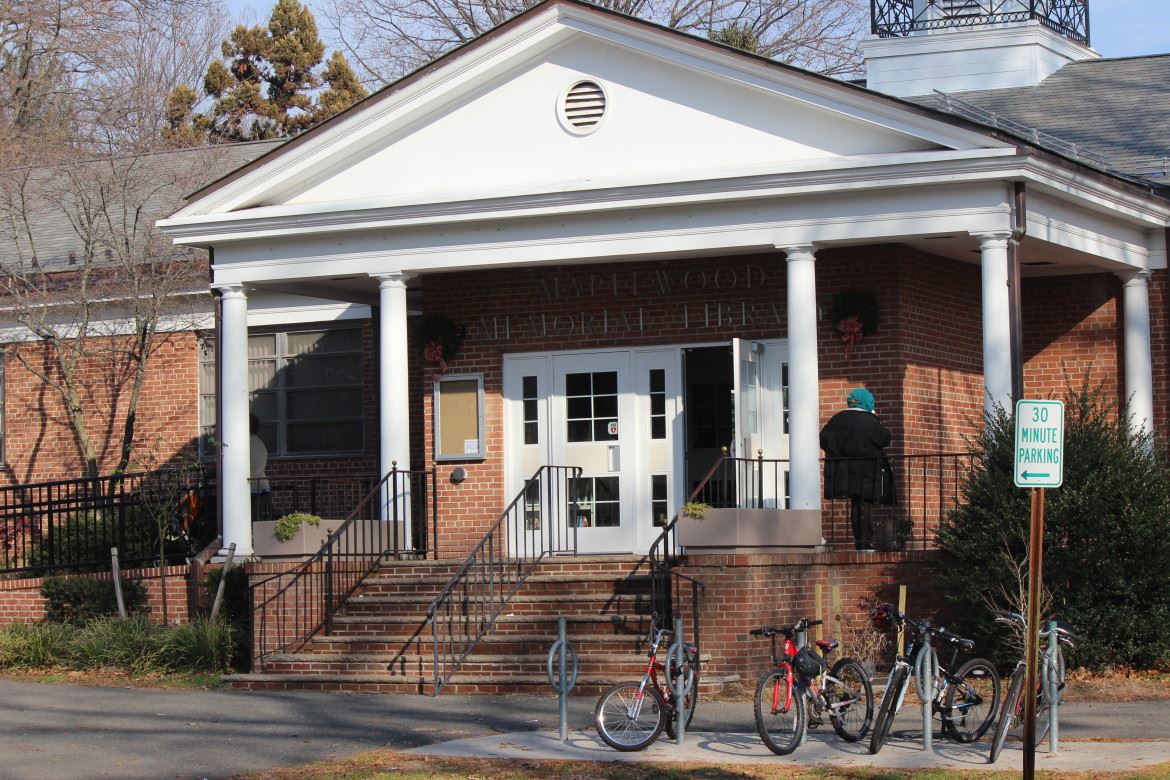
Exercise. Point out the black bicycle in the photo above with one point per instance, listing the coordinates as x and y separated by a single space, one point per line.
966 700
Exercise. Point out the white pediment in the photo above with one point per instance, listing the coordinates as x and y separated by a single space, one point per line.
486 123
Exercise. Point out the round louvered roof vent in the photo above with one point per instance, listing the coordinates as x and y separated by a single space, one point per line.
582 107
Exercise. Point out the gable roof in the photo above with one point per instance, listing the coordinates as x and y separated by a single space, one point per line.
1110 109
890 112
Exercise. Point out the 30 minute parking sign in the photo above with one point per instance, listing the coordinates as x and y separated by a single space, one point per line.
1039 444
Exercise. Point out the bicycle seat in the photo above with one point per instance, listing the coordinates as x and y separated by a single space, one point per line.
827 645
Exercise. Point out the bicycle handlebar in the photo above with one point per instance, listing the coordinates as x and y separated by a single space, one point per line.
924 627
788 629
1064 631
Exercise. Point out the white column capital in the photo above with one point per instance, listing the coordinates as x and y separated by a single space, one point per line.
798 252
233 290
1135 278
993 239
392 279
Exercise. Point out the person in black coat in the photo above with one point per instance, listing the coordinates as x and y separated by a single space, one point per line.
856 466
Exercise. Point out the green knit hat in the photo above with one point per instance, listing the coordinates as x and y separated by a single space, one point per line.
860 399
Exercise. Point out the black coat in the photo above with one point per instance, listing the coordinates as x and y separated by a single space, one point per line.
856 465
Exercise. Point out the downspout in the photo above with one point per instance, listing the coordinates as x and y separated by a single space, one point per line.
218 346
1019 230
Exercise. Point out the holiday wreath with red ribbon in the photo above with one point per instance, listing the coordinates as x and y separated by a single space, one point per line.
440 338
855 315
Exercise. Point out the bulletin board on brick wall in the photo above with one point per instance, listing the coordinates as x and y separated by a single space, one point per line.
458 405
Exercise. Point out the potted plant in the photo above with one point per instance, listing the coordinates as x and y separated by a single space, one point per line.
287 527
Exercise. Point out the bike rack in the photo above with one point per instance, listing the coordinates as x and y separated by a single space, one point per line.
562 672
1052 686
925 673
678 686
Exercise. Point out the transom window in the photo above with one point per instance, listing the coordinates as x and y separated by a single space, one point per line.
305 386
591 403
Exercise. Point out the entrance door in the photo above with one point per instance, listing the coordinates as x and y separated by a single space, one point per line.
592 425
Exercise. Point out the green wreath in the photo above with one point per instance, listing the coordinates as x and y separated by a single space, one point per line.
440 338
856 303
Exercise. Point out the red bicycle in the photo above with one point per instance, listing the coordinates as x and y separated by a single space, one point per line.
799 680
631 715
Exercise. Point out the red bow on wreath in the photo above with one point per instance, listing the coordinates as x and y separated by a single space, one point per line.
433 352
851 333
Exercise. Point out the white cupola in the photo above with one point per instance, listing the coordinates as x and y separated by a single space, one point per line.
919 46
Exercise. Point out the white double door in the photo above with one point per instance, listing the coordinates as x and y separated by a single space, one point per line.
613 414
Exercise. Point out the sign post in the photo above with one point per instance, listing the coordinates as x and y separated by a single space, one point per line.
1039 464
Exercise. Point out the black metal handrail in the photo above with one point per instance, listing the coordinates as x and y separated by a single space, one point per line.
666 582
292 606
541 520
925 488
896 18
70 525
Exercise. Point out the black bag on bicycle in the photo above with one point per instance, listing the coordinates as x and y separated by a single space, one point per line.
807 663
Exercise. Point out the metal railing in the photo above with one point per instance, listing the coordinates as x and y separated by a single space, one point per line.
897 18
542 520
666 582
325 496
925 488
292 606
70 525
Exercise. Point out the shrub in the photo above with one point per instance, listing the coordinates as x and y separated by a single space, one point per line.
203 645
1106 553
36 645
83 541
286 527
236 610
132 644
77 600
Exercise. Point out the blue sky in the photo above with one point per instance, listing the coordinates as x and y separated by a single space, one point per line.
1119 28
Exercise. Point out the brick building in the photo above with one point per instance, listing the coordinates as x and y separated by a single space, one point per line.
637 247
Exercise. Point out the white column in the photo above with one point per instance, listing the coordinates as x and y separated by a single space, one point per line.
393 379
803 384
235 492
394 393
1139 370
997 329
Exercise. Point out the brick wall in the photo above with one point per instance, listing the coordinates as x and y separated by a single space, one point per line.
747 591
21 600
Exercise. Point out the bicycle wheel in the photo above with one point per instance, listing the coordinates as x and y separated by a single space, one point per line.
627 721
850 697
1010 713
780 727
886 710
690 698
972 701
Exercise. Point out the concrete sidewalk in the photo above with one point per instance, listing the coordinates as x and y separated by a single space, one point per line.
65 732
820 749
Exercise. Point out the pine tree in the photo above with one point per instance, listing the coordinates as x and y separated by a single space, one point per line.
267 86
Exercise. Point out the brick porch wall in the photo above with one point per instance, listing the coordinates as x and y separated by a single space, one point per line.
21 600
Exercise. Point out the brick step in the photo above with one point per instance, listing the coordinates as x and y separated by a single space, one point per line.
496 645
486 666
586 686
509 624
556 604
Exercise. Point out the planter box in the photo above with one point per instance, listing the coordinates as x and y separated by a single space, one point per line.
308 540
751 531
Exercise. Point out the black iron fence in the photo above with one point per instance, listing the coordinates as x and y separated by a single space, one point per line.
924 488
542 520
896 18
290 607
70 525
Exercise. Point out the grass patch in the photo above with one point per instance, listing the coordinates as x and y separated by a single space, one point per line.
391 765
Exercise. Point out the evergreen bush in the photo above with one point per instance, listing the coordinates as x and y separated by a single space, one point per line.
83 540
132 644
1106 542
77 600
202 645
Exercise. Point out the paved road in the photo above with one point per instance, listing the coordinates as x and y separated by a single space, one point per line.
63 731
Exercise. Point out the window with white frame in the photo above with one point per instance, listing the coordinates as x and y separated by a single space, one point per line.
304 385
